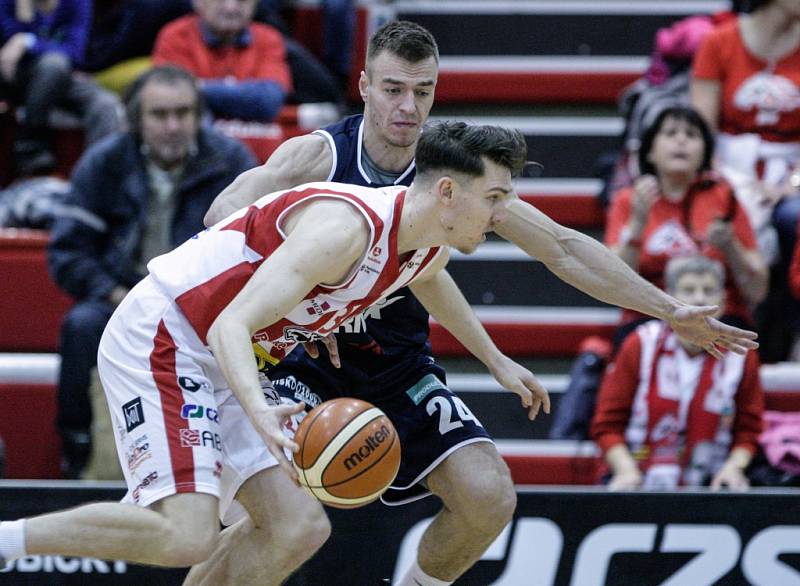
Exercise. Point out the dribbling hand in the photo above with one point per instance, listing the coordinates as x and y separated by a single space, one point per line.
269 423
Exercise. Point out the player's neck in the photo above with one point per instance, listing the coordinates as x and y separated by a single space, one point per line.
391 158
420 226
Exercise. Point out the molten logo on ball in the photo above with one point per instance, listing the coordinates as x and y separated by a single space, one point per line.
349 452
369 446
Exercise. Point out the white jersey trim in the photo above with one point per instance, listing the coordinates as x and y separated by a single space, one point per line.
359 153
332 144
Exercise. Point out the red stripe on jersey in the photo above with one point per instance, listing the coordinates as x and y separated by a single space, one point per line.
162 363
202 304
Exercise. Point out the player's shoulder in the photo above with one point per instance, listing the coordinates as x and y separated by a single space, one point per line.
347 126
302 159
336 217
305 147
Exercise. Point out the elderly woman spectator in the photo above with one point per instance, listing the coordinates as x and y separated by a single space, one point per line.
669 414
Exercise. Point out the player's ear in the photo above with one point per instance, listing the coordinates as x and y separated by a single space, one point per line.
363 84
444 189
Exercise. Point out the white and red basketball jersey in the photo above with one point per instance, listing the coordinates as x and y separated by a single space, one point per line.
206 272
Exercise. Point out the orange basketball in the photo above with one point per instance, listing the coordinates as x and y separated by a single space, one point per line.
349 453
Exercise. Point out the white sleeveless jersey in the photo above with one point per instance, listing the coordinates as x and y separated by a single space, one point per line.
206 272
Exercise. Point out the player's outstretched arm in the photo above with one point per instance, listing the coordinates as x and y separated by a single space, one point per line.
298 160
444 301
323 243
586 264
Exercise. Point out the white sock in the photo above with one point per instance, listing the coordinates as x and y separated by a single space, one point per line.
12 540
415 576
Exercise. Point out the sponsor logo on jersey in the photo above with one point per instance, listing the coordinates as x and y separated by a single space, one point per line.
133 414
317 308
191 438
191 385
147 481
298 389
358 323
138 452
300 335
424 387
192 411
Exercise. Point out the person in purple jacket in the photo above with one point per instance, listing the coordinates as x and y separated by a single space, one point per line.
43 42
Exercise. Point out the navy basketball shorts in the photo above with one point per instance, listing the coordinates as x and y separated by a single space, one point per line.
431 422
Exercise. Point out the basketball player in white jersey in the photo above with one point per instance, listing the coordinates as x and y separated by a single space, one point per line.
397 87
177 363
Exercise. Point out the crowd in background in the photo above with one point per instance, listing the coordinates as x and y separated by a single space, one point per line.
709 169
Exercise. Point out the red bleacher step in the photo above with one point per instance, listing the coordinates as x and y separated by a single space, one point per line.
527 331
33 306
571 202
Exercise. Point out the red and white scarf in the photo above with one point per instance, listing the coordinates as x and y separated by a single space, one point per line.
683 410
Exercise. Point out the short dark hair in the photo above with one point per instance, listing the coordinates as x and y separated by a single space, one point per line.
458 147
165 74
405 39
693 118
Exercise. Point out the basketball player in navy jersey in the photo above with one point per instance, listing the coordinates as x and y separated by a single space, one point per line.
385 356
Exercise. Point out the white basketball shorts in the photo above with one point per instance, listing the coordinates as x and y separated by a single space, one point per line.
179 428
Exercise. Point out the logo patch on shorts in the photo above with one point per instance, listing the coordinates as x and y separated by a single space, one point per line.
424 387
192 411
189 438
189 384
134 414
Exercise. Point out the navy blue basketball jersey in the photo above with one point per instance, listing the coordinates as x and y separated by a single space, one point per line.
386 349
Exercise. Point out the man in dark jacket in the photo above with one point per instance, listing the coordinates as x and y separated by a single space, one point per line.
144 192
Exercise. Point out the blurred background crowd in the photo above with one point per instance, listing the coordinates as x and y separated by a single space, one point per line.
123 119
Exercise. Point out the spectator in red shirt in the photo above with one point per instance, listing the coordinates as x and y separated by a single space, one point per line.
241 64
678 208
669 414
746 84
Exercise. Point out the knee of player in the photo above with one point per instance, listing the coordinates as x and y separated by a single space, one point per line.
488 499
310 531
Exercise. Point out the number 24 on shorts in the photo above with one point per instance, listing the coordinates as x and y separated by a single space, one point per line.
448 421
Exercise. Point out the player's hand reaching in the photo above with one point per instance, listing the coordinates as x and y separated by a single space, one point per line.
330 344
520 380
269 422
698 326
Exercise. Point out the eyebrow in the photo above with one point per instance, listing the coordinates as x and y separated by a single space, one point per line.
427 82
503 190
